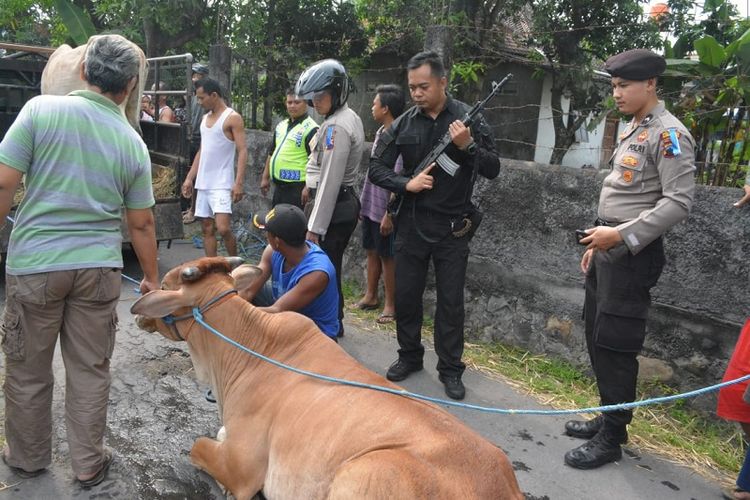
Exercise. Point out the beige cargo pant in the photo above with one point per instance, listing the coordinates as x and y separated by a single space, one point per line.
80 306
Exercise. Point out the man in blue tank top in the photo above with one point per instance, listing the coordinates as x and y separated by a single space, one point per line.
302 276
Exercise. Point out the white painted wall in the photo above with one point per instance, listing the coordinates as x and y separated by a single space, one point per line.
580 153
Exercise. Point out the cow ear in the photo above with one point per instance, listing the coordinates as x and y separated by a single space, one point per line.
159 303
245 275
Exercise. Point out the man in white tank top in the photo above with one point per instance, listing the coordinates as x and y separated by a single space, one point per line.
217 184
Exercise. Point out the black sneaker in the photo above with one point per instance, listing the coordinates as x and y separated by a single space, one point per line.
600 450
454 388
399 370
584 429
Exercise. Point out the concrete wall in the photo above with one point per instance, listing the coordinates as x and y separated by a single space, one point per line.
524 286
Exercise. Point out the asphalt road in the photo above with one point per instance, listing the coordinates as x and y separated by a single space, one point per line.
157 410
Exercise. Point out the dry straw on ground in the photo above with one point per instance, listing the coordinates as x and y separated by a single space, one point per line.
164 180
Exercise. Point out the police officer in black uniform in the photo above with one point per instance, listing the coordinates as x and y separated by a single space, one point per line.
649 189
432 216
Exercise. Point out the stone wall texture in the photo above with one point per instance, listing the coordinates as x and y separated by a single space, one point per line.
524 286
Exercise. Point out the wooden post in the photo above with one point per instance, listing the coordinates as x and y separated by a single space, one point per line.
439 39
220 68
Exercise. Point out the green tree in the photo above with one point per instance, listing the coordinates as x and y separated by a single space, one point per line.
279 38
575 36
31 23
160 27
712 94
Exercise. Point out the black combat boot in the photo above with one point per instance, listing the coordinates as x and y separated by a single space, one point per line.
584 429
602 449
399 370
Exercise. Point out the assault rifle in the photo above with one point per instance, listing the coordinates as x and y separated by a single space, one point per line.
436 155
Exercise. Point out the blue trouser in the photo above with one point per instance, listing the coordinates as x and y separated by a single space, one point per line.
743 479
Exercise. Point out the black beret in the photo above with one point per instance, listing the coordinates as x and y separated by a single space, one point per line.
636 64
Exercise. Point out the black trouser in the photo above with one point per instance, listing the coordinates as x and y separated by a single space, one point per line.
449 257
334 244
618 296
288 192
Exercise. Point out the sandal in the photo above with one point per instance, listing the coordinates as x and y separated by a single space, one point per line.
109 457
384 319
18 471
367 307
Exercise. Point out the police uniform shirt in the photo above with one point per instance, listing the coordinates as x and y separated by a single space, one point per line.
334 160
651 185
413 135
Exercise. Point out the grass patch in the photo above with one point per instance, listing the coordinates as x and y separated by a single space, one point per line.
711 447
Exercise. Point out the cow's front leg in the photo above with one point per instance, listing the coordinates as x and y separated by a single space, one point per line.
206 455
216 459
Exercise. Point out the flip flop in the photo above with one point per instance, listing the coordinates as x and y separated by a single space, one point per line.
367 307
384 319
18 471
109 457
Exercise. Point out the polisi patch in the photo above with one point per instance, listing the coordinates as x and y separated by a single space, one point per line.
330 135
637 148
643 136
627 176
630 161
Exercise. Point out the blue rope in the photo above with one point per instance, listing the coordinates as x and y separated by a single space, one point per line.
622 406
132 280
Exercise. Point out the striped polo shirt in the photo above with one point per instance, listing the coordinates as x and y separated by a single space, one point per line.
83 162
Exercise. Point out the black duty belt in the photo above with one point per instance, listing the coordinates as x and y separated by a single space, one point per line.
342 191
602 222
286 183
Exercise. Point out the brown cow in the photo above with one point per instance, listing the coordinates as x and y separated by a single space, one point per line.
291 436
62 75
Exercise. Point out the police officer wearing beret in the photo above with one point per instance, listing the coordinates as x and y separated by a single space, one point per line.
432 215
649 189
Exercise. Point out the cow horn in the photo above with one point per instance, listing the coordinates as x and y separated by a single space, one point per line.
235 262
190 274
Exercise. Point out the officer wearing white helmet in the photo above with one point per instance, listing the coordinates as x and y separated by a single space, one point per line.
334 160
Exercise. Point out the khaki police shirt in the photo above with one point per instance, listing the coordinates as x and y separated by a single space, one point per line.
333 162
651 185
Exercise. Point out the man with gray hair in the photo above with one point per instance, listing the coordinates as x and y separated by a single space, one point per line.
83 162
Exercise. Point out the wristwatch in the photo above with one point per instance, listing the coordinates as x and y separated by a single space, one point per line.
471 149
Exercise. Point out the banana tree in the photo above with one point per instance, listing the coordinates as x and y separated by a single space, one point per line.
711 95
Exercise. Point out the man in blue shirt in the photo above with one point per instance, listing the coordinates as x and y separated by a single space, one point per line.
302 276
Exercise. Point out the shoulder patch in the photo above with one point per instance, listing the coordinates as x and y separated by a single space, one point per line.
670 141
329 137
